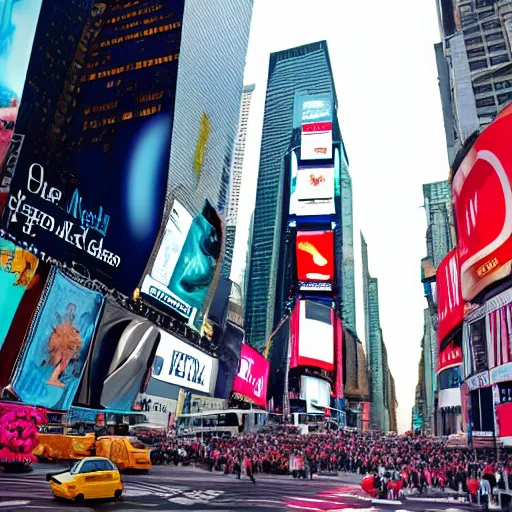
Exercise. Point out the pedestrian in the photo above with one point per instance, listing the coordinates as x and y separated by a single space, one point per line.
248 468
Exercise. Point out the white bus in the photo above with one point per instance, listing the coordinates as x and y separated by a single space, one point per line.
221 423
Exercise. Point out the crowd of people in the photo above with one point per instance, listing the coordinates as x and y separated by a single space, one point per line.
419 463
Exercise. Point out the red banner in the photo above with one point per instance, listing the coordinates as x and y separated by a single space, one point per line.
252 379
365 416
315 256
450 304
482 195
325 126
338 391
449 357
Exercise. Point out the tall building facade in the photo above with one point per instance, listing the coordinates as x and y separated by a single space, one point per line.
474 63
236 179
383 409
305 69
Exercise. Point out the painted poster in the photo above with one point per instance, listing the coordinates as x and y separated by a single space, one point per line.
57 345
90 178
196 266
18 20
17 274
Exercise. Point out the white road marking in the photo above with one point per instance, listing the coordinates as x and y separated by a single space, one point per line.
14 503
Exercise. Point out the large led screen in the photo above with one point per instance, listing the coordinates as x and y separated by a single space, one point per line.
482 196
177 362
315 259
252 378
450 304
312 335
186 261
449 357
316 139
91 171
18 20
316 392
57 344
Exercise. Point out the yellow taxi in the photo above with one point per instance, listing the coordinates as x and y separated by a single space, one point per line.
89 478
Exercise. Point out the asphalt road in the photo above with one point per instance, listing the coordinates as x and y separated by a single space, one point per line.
178 489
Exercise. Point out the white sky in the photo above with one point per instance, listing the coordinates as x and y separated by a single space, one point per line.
390 115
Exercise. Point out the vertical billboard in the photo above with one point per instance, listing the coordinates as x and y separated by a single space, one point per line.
312 189
252 378
316 139
315 260
186 261
57 345
90 178
312 336
18 20
316 393
450 304
482 197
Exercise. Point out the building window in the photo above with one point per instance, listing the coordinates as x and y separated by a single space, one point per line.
473 40
497 48
480 89
491 25
503 98
484 3
478 64
472 30
500 59
494 37
485 102
480 52
504 84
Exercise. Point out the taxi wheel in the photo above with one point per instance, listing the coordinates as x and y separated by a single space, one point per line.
118 494
79 498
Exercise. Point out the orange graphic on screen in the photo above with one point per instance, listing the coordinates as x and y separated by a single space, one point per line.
315 256
315 181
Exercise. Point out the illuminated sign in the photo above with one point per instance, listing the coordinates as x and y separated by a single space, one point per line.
480 380
315 259
316 139
482 195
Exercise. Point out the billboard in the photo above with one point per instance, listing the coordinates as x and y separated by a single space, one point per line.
482 197
312 335
315 259
120 360
316 393
450 357
316 138
57 345
312 190
156 409
18 20
91 172
17 274
252 378
338 390
450 304
178 363
186 260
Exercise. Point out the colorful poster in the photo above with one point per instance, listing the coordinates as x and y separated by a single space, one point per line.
91 175
17 274
57 345
18 20
120 360
252 378
482 196
317 116
449 357
315 260
450 304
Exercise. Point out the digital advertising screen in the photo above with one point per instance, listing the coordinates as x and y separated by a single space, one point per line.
316 138
312 335
316 392
252 378
312 190
315 260
177 362
482 197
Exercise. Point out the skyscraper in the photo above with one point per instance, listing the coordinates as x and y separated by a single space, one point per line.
473 60
236 179
383 403
297 70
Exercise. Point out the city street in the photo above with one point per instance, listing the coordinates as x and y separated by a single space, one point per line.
171 488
